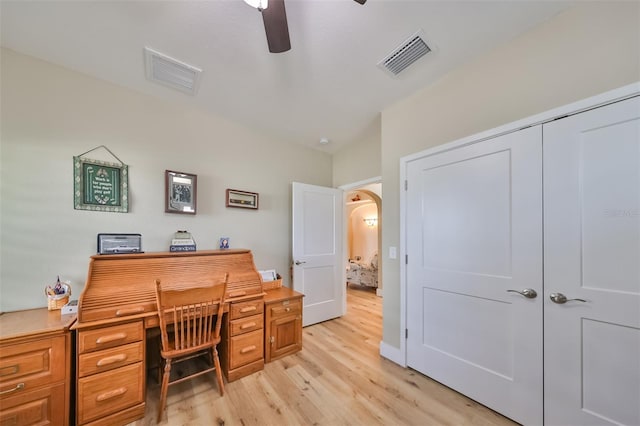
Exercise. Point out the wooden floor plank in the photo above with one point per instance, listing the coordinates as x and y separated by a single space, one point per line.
338 378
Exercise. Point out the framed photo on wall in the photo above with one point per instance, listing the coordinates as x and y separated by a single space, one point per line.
100 186
180 192
242 199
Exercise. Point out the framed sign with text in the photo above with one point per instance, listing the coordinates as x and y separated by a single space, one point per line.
100 185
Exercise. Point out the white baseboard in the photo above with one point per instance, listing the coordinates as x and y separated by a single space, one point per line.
379 292
392 353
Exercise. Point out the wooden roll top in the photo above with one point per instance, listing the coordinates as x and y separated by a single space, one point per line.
123 285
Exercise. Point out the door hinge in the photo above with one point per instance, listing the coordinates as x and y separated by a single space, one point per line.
406 333
406 185
406 259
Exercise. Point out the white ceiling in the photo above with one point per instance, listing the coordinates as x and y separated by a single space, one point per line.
327 85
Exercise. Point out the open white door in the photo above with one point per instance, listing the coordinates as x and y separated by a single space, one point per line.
318 264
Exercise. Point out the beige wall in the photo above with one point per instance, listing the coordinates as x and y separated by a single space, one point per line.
360 160
49 114
585 51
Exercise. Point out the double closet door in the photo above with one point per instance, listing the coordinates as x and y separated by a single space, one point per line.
523 278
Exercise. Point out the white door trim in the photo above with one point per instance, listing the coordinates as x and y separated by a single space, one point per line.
399 355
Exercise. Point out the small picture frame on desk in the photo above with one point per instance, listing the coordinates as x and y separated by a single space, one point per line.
224 243
180 192
242 199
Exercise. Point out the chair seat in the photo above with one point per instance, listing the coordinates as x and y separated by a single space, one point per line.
172 352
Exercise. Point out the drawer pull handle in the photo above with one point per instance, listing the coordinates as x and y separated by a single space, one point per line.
111 338
248 349
111 360
129 311
247 325
18 387
111 394
287 309
238 293
248 309
8 371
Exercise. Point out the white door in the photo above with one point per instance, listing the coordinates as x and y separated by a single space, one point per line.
474 238
592 252
318 265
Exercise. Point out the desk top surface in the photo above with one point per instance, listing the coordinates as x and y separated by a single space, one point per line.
33 322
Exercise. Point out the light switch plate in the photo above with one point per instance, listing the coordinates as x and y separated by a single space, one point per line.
393 253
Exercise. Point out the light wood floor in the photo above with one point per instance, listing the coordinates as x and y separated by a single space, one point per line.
338 378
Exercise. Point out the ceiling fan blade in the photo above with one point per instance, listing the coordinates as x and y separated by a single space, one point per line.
275 26
361 1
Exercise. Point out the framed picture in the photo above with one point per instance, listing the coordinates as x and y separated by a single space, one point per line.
100 186
224 242
180 192
243 199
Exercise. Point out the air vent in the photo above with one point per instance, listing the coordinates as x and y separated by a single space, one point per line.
171 72
404 55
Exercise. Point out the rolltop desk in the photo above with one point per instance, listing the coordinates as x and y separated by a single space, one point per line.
117 309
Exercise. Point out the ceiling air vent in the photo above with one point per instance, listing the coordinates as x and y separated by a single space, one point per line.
171 72
404 55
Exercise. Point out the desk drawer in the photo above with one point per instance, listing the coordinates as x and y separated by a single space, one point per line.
37 407
285 308
245 289
108 337
110 359
246 348
105 393
245 325
26 365
246 309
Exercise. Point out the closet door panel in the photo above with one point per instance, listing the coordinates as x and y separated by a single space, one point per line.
474 232
592 253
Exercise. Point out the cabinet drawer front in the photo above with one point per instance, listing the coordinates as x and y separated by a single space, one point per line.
246 309
246 348
24 366
109 392
243 289
108 337
44 406
110 359
285 308
245 325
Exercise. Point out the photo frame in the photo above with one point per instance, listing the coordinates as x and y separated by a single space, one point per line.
180 192
242 199
100 185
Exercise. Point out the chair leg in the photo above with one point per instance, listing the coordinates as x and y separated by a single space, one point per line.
216 362
164 388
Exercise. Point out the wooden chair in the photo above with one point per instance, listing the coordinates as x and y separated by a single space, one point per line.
190 321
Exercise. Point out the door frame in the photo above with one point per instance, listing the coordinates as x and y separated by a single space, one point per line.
351 187
399 355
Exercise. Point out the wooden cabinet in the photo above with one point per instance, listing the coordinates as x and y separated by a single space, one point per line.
111 374
283 323
35 367
241 349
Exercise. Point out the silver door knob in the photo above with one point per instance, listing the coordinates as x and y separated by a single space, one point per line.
300 263
529 293
560 298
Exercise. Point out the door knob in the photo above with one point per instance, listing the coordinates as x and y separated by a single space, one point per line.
529 293
560 298
300 263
